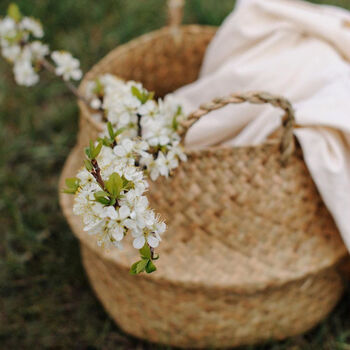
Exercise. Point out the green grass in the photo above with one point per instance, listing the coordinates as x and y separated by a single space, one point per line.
45 299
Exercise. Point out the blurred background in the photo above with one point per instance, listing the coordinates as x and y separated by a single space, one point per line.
45 298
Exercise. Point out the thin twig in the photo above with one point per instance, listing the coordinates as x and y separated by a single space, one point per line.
51 68
96 173
139 127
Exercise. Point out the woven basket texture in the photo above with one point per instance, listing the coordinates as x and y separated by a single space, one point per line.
251 251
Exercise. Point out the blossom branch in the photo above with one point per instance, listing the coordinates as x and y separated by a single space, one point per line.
96 173
141 138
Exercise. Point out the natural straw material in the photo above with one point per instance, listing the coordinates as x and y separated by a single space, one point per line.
251 250
175 12
163 61
288 121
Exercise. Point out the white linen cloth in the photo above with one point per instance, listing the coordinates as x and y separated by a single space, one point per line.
294 49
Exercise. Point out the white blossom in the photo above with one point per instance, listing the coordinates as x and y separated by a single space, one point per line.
155 133
149 109
96 103
159 148
8 28
67 66
153 150
33 26
125 149
38 50
18 46
87 208
131 213
11 53
177 150
24 73
151 235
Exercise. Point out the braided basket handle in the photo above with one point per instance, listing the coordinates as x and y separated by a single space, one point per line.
175 12
288 120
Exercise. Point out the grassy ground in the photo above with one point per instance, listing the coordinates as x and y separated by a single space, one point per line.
45 299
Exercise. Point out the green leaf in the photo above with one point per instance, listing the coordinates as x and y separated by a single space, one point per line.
141 265
142 96
102 200
127 185
98 90
92 149
110 130
134 267
88 152
99 194
119 131
102 197
114 185
175 123
145 251
136 92
73 184
105 141
179 110
92 152
88 165
14 12
69 191
150 267
96 150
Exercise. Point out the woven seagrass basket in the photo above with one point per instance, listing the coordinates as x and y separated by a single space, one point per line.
251 251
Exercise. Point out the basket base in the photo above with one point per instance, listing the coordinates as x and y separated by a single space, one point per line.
209 318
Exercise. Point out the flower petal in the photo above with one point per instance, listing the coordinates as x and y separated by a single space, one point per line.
124 212
110 212
152 241
119 235
139 242
119 151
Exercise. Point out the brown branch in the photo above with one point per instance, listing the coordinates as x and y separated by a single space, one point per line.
139 128
96 173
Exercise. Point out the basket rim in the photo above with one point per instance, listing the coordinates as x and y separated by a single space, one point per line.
123 48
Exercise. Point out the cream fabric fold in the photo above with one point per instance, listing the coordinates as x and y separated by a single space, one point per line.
289 48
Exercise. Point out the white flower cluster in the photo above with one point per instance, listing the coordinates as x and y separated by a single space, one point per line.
66 65
20 46
141 137
150 127
119 207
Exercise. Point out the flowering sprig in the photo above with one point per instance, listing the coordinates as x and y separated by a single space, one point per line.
109 195
20 45
140 139
149 127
